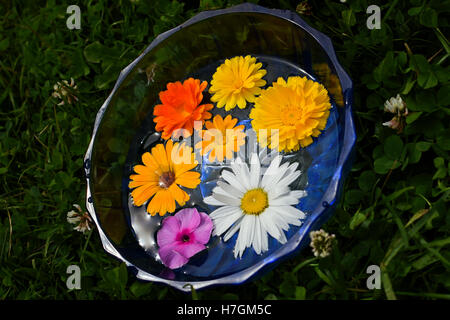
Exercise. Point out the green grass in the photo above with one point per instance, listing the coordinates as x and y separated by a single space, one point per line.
395 208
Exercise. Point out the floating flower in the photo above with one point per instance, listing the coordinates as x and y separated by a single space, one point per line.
65 91
321 243
221 138
182 236
256 203
181 107
164 170
236 81
81 218
298 109
397 106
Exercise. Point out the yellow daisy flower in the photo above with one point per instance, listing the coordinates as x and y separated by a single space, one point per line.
236 81
222 138
164 170
298 109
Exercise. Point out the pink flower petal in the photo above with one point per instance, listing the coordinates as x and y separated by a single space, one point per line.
189 219
168 232
203 232
171 258
189 249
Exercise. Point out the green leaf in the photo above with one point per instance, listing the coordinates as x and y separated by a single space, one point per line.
413 116
354 196
4 44
438 162
93 52
386 68
429 18
300 293
423 146
357 219
366 181
443 140
393 147
140 289
383 165
3 170
414 11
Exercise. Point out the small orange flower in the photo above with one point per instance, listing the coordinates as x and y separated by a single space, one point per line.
164 170
181 107
222 138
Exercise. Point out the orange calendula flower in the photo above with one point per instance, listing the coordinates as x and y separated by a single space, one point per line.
181 107
237 81
164 170
298 109
222 138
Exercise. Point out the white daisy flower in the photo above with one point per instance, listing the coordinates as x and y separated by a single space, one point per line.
255 202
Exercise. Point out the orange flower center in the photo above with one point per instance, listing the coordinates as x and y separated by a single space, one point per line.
166 179
238 83
290 115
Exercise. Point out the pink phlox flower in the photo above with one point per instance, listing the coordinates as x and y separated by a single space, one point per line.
182 236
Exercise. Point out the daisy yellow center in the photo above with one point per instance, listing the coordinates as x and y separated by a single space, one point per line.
290 115
254 201
166 179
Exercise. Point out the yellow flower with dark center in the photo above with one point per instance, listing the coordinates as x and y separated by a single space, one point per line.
222 138
237 81
164 170
297 110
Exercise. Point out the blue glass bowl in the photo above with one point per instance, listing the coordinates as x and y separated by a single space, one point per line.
124 128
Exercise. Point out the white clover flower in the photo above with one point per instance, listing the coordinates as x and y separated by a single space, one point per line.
321 243
65 91
256 203
394 105
397 106
82 219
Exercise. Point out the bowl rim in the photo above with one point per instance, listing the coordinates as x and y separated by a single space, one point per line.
328 198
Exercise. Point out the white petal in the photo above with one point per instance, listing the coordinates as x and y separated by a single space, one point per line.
289 178
223 224
255 171
285 200
233 229
228 200
251 230
294 212
273 175
233 180
278 220
241 244
271 170
257 236
212 201
268 225
222 211
298 194
229 189
277 191
244 173
288 215
264 238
